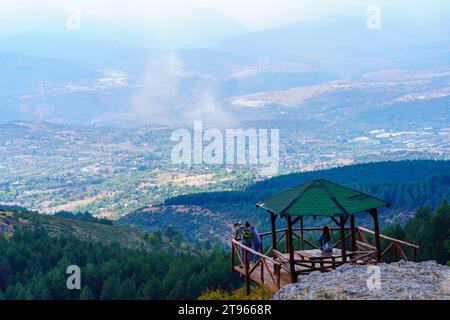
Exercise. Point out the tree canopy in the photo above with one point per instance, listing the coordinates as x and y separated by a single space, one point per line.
33 266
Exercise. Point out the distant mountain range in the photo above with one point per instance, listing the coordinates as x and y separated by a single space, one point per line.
346 39
105 74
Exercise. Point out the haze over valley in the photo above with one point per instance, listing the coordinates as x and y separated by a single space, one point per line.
87 114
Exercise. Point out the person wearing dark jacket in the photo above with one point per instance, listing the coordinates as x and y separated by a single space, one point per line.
255 240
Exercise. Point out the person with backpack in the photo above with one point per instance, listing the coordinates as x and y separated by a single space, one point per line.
255 240
244 236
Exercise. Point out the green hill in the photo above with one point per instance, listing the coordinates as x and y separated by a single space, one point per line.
116 262
11 221
406 184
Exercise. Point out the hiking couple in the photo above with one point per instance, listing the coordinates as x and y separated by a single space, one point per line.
248 236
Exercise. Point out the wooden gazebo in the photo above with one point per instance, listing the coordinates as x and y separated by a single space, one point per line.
322 198
317 198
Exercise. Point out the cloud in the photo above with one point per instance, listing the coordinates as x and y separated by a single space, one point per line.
208 109
156 99
256 14
168 94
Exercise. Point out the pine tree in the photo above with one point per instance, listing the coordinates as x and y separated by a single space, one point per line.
86 294
152 290
440 224
110 288
127 290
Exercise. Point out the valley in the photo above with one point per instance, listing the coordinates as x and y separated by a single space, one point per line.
408 185
134 136
112 171
87 128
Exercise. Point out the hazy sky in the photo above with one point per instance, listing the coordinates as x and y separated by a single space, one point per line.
254 14
266 13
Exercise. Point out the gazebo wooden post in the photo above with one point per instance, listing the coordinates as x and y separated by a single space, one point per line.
273 218
374 214
291 249
342 232
302 236
247 273
232 257
353 231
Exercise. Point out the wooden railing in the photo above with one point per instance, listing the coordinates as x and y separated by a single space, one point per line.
270 264
393 246
297 233
265 264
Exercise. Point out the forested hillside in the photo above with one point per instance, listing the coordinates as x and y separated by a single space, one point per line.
406 184
35 255
37 249
430 230
33 264
404 196
21 219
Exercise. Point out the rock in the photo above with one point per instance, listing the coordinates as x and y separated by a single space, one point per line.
396 281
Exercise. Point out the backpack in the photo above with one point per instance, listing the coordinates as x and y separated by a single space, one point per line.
247 233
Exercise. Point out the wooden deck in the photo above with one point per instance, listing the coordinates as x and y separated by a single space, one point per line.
273 268
266 280
269 278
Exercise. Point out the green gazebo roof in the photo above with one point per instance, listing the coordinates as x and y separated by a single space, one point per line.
321 198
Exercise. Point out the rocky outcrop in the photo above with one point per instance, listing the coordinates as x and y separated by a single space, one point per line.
395 281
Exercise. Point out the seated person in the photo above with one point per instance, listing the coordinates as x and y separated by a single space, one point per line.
326 244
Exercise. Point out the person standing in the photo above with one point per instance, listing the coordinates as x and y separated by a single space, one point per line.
242 235
248 239
256 241
238 232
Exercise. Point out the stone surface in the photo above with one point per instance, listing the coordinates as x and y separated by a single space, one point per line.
397 281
